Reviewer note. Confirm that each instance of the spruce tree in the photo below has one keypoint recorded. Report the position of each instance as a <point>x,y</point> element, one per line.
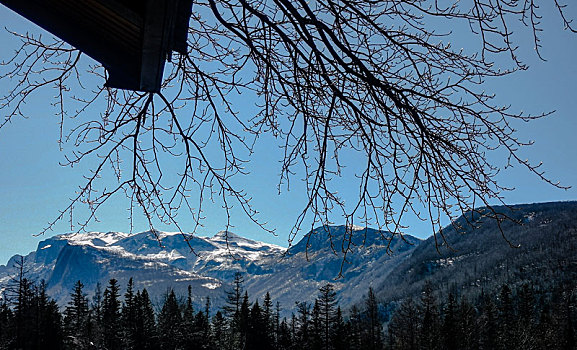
<point>256,337</point>
<point>269,322</point>
<point>488,324</point>
<point>340,337</point>
<point>111,317</point>
<point>20,294</point>
<point>450,323</point>
<point>317,329</point>
<point>404,327</point>
<point>129,317</point>
<point>285,336</point>
<point>468,335</point>
<point>188,320</point>
<point>48,328</point>
<point>76,318</point>
<point>146,332</point>
<point>232,311</point>
<point>302,325</point>
<point>96,325</point>
<point>506,321</point>
<point>24,315</point>
<point>430,322</point>
<point>7,332</point>
<point>201,331</point>
<point>327,303</point>
<point>206,330</point>
<point>355,328</point>
<point>276,323</point>
<point>53,333</point>
<point>234,297</point>
<point>169,323</point>
<point>373,329</point>
<point>219,331</point>
<point>244,320</point>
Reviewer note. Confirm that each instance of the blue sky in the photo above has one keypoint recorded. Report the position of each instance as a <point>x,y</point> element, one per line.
<point>33,186</point>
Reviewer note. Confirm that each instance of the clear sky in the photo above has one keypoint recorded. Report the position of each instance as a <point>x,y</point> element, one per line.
<point>33,186</point>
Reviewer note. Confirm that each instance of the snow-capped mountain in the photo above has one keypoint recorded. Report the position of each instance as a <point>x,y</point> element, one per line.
<point>478,259</point>
<point>157,262</point>
<point>161,260</point>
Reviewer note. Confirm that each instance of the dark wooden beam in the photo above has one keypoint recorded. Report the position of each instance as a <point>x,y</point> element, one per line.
<point>130,38</point>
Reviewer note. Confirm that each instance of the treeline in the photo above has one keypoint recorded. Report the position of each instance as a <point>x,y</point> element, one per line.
<point>111,321</point>
<point>523,317</point>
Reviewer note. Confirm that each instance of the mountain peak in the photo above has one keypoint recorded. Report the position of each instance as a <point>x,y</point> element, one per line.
<point>225,235</point>
<point>396,267</point>
<point>341,237</point>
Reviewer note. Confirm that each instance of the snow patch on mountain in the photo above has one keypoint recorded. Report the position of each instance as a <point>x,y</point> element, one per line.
<point>161,260</point>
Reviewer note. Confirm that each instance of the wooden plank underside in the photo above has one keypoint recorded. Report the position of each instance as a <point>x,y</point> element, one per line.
<point>130,45</point>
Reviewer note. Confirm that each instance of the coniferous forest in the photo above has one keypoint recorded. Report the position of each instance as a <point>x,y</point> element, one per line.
<point>523,317</point>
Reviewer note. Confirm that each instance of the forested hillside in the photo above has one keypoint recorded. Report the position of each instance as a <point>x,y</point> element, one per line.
<point>537,246</point>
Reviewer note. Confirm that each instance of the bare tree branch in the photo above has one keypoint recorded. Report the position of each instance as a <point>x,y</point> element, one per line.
<point>373,79</point>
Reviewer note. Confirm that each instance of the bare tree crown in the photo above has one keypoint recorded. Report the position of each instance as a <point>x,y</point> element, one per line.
<point>369,77</point>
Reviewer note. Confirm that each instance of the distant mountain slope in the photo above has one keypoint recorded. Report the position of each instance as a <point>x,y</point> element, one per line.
<point>210,267</point>
<point>477,259</point>
<point>480,259</point>
<point>96,257</point>
<point>300,273</point>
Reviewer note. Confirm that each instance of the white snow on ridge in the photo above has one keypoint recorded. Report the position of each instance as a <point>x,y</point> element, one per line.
<point>224,249</point>
<point>163,235</point>
<point>88,238</point>
<point>224,238</point>
<point>258,245</point>
<point>224,254</point>
<point>165,255</point>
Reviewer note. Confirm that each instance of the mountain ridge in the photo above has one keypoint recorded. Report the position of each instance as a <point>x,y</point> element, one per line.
<point>161,260</point>
<point>395,267</point>
<point>479,259</point>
